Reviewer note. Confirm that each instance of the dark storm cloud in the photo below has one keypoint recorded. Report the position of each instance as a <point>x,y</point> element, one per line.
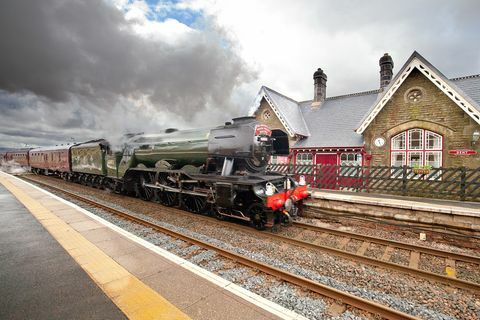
<point>86,50</point>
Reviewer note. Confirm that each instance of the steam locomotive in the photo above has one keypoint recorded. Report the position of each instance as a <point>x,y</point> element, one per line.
<point>219,171</point>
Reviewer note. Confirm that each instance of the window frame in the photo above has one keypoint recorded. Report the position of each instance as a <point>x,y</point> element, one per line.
<point>302,162</point>
<point>424,151</point>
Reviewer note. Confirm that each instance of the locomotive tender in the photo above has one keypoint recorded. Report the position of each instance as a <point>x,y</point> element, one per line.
<point>220,171</point>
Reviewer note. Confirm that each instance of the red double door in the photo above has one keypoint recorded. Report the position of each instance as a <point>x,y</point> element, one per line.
<point>327,172</point>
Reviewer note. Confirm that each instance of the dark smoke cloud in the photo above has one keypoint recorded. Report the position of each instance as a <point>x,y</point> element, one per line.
<point>79,65</point>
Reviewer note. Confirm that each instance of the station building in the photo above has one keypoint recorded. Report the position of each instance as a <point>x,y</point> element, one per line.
<point>417,118</point>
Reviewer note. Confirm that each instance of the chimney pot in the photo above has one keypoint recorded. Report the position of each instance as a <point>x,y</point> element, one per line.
<point>320,87</point>
<point>386,70</point>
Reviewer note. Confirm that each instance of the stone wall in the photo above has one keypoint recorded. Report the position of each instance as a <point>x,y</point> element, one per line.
<point>434,111</point>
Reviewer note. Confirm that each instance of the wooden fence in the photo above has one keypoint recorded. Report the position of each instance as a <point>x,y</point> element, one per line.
<point>445,183</point>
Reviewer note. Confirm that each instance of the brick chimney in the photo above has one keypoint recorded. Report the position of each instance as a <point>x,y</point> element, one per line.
<point>386,70</point>
<point>320,87</point>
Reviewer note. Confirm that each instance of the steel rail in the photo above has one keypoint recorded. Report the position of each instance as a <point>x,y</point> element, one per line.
<point>347,298</point>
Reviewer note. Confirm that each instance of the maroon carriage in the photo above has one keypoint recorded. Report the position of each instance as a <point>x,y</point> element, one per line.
<point>19,156</point>
<point>51,160</point>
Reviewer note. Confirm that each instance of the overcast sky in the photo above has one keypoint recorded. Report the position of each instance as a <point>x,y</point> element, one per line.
<point>82,69</point>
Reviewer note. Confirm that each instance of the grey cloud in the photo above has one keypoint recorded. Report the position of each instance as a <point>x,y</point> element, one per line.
<point>82,61</point>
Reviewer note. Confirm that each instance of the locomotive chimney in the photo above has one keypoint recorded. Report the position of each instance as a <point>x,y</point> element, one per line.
<point>386,70</point>
<point>320,88</point>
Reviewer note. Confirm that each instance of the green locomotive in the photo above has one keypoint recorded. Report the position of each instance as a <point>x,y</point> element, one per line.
<point>219,171</point>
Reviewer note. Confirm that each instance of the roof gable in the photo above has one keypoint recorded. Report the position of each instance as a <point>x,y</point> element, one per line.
<point>416,61</point>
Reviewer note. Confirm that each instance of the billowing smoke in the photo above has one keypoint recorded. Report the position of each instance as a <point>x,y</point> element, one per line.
<point>80,69</point>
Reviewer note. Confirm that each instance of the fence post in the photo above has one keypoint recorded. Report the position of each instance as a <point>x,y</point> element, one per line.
<point>404,180</point>
<point>463,182</point>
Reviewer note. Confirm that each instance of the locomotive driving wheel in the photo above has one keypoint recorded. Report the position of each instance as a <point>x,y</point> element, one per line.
<point>167,198</point>
<point>192,203</point>
<point>141,191</point>
<point>258,217</point>
<point>195,204</point>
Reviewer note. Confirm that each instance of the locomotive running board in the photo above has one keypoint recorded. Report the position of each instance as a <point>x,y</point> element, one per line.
<point>170,189</point>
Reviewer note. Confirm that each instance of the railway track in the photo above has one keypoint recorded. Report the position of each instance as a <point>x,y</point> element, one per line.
<point>347,298</point>
<point>451,259</point>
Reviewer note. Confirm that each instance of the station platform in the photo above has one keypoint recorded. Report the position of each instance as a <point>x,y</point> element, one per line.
<point>59,261</point>
<point>447,213</point>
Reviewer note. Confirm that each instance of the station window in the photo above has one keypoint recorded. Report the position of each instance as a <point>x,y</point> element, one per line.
<point>351,159</point>
<point>304,159</point>
<point>417,147</point>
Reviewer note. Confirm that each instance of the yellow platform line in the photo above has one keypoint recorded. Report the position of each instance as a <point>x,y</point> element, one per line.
<point>132,296</point>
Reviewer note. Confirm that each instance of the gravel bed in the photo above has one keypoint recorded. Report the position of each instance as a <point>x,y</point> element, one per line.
<point>375,251</point>
<point>468,271</point>
<point>330,241</point>
<point>400,256</point>
<point>308,236</point>
<point>412,295</point>
<point>353,245</point>
<point>432,264</point>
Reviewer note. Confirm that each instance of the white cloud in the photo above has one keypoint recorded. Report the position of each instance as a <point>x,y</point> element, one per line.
<point>288,40</point>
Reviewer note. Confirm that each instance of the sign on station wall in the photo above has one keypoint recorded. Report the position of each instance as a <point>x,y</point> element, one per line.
<point>462,152</point>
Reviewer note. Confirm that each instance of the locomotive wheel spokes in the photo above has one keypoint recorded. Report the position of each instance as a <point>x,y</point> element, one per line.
<point>195,204</point>
<point>258,216</point>
<point>167,198</point>
<point>142,192</point>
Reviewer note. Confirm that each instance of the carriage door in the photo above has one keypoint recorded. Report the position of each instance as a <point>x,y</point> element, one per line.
<point>327,174</point>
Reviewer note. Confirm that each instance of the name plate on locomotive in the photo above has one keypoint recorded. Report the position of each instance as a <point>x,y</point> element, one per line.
<point>262,129</point>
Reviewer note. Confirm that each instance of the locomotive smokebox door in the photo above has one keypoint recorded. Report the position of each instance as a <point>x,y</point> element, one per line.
<point>225,194</point>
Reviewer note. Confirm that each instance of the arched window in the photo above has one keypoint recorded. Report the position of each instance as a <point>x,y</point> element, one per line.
<point>417,147</point>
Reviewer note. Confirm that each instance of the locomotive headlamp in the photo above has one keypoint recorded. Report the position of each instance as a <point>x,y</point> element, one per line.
<point>259,191</point>
<point>270,189</point>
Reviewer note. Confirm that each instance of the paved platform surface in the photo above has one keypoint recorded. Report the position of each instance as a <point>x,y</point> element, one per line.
<point>39,279</point>
<point>414,203</point>
<point>92,269</point>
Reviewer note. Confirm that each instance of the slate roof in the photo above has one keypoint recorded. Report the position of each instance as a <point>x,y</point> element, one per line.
<point>288,109</point>
<point>470,85</point>
<point>333,124</point>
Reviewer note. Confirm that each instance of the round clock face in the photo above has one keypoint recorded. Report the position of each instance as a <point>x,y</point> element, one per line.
<point>379,142</point>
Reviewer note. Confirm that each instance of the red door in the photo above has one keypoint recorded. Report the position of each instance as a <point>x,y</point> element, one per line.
<point>327,170</point>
